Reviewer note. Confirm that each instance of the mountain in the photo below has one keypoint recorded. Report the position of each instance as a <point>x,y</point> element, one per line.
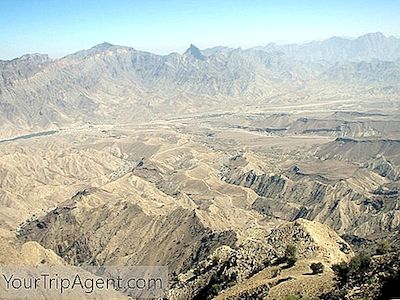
<point>116,84</point>
<point>364,48</point>
<point>249,173</point>
<point>121,84</point>
<point>367,72</point>
<point>218,49</point>
<point>194,52</point>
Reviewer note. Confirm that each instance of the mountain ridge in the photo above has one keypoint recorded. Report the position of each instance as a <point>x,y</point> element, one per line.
<point>121,84</point>
<point>106,45</point>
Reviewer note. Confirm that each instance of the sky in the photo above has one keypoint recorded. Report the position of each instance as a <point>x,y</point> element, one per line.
<point>60,27</point>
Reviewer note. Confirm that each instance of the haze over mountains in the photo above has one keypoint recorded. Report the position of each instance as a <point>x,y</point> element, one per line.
<point>364,48</point>
<point>120,84</point>
<point>212,162</point>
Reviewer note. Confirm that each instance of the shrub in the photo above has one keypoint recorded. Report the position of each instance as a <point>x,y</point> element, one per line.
<point>382,247</point>
<point>317,268</point>
<point>215,289</point>
<point>360,263</point>
<point>356,268</point>
<point>215,260</point>
<point>341,271</point>
<point>291,255</point>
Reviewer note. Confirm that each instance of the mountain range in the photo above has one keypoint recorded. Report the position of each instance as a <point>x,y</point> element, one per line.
<point>264,173</point>
<point>364,48</point>
<point>117,84</point>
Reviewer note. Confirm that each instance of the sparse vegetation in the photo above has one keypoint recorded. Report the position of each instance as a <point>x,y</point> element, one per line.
<point>317,268</point>
<point>360,263</point>
<point>215,289</point>
<point>341,271</point>
<point>356,268</point>
<point>296,297</point>
<point>218,282</point>
<point>377,280</point>
<point>382,247</point>
<point>254,168</point>
<point>215,260</point>
<point>291,255</point>
<point>231,283</point>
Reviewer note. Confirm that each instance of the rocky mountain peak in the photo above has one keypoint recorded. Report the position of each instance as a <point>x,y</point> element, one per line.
<point>195,52</point>
<point>374,36</point>
<point>30,58</point>
<point>34,56</point>
<point>103,46</point>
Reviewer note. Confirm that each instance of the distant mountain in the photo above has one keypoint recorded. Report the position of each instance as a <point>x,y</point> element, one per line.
<point>116,84</point>
<point>214,50</point>
<point>366,47</point>
<point>194,52</point>
<point>374,71</point>
<point>23,67</point>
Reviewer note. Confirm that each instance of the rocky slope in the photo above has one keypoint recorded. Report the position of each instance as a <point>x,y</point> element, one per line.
<point>120,232</point>
<point>210,162</point>
<point>221,203</point>
<point>378,281</point>
<point>349,198</point>
<point>228,267</point>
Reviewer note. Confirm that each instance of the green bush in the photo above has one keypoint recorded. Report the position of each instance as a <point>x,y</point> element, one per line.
<point>355,269</point>
<point>360,263</point>
<point>215,260</point>
<point>215,289</point>
<point>382,247</point>
<point>291,255</point>
<point>317,268</point>
<point>341,271</point>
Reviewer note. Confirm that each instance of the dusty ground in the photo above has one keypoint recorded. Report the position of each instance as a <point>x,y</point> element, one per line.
<point>235,175</point>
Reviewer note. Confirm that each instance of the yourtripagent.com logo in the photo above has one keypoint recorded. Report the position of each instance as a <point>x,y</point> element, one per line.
<point>90,282</point>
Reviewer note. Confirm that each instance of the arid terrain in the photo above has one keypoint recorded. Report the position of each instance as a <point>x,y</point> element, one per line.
<point>214,177</point>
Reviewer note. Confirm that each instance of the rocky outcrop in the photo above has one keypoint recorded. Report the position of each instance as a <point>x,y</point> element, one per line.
<point>361,150</point>
<point>357,201</point>
<point>122,233</point>
<point>226,267</point>
<point>379,281</point>
<point>14,253</point>
<point>384,168</point>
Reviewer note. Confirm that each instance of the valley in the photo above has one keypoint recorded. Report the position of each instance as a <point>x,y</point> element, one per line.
<point>250,173</point>
<point>199,185</point>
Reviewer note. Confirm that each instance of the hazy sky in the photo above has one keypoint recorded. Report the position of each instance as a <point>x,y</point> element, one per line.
<point>59,27</point>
